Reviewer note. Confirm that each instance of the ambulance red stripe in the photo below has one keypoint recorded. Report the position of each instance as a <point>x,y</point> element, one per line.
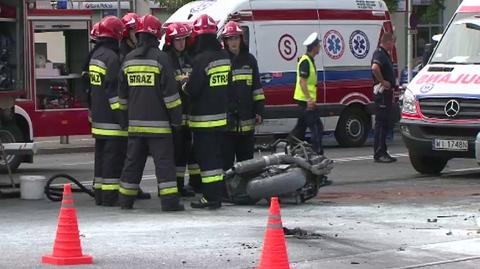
<point>466,9</point>
<point>310,14</point>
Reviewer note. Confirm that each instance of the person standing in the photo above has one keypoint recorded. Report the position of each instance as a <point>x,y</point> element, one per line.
<point>127,44</point>
<point>175,37</point>
<point>129,40</point>
<point>107,127</point>
<point>149,89</point>
<point>384,83</point>
<point>207,89</point>
<point>306,95</point>
<point>245,98</point>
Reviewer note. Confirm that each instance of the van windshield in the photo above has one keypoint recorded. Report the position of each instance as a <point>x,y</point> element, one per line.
<point>460,43</point>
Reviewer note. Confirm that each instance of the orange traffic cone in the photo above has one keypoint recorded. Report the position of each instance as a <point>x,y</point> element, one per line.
<point>67,249</point>
<point>274,254</point>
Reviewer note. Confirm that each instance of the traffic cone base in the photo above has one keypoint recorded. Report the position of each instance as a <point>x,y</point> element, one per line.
<point>67,261</point>
<point>67,249</point>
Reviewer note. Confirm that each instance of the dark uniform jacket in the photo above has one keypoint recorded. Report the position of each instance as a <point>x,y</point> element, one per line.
<point>182,66</point>
<point>124,49</point>
<point>103,71</point>
<point>382,58</point>
<point>149,90</point>
<point>245,96</point>
<point>207,89</point>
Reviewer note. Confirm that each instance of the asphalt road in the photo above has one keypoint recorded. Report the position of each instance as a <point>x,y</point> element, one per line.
<point>373,216</point>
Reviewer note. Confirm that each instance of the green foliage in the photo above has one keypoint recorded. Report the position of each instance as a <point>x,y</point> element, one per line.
<point>433,11</point>
<point>172,5</point>
<point>391,4</point>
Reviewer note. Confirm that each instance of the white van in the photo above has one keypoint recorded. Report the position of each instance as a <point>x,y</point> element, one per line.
<point>441,106</point>
<point>275,30</point>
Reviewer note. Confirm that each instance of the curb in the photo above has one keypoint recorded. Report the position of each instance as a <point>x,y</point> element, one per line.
<point>50,151</point>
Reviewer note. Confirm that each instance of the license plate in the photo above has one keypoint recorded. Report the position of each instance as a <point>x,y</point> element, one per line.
<point>450,145</point>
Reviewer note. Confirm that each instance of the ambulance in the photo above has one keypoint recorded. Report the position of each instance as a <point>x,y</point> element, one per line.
<point>275,30</point>
<point>441,106</point>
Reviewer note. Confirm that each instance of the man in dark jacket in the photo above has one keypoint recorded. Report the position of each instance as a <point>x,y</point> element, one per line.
<point>245,98</point>
<point>148,88</point>
<point>207,89</point>
<point>107,128</point>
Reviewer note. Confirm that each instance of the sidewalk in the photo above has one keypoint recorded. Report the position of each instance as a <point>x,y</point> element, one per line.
<point>77,144</point>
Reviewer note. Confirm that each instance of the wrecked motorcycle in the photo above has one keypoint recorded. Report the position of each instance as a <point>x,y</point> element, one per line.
<point>296,174</point>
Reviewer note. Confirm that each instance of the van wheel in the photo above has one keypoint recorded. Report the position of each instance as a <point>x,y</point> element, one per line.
<point>352,127</point>
<point>10,134</point>
<point>427,164</point>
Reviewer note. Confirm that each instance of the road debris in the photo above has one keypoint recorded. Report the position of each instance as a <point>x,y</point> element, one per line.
<point>301,234</point>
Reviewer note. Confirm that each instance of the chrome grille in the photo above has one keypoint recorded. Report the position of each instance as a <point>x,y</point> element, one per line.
<point>435,108</point>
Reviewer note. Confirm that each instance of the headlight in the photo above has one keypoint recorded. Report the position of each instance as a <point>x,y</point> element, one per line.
<point>409,103</point>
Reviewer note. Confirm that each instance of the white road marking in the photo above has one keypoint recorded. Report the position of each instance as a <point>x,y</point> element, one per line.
<point>366,157</point>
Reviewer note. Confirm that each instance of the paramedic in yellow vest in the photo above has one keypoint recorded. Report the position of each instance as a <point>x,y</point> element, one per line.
<point>306,95</point>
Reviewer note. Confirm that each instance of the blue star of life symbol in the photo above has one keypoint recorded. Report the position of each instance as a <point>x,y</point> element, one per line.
<point>334,44</point>
<point>359,44</point>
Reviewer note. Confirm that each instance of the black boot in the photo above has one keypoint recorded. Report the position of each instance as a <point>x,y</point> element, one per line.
<point>195,182</point>
<point>204,203</point>
<point>171,202</point>
<point>143,195</point>
<point>110,198</point>
<point>98,196</point>
<point>184,192</point>
<point>126,202</point>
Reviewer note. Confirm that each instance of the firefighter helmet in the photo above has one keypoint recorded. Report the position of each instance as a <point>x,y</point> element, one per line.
<point>176,31</point>
<point>111,26</point>
<point>130,20</point>
<point>205,25</point>
<point>232,29</point>
<point>151,25</point>
<point>94,31</point>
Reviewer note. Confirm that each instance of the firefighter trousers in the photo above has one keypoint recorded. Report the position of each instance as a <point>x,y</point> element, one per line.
<point>237,147</point>
<point>161,150</point>
<point>184,159</point>
<point>207,147</point>
<point>109,159</point>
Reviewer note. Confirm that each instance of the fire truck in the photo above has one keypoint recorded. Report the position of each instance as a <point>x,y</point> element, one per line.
<point>42,93</point>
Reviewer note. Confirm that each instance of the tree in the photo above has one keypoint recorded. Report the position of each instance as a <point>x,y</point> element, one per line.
<point>172,5</point>
<point>392,4</point>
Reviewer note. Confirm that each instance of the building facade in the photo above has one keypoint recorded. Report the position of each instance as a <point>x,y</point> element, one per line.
<point>430,20</point>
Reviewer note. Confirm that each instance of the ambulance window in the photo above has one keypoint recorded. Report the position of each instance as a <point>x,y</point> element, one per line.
<point>246,34</point>
<point>60,52</point>
<point>459,44</point>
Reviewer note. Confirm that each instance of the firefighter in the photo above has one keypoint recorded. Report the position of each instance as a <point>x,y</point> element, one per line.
<point>207,89</point>
<point>306,95</point>
<point>245,100</point>
<point>128,43</point>
<point>129,40</point>
<point>107,125</point>
<point>175,42</point>
<point>149,89</point>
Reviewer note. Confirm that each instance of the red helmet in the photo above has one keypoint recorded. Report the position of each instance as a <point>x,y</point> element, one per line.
<point>191,40</point>
<point>150,24</point>
<point>94,31</point>
<point>232,29</point>
<point>130,20</point>
<point>205,25</point>
<point>176,30</point>
<point>111,26</point>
